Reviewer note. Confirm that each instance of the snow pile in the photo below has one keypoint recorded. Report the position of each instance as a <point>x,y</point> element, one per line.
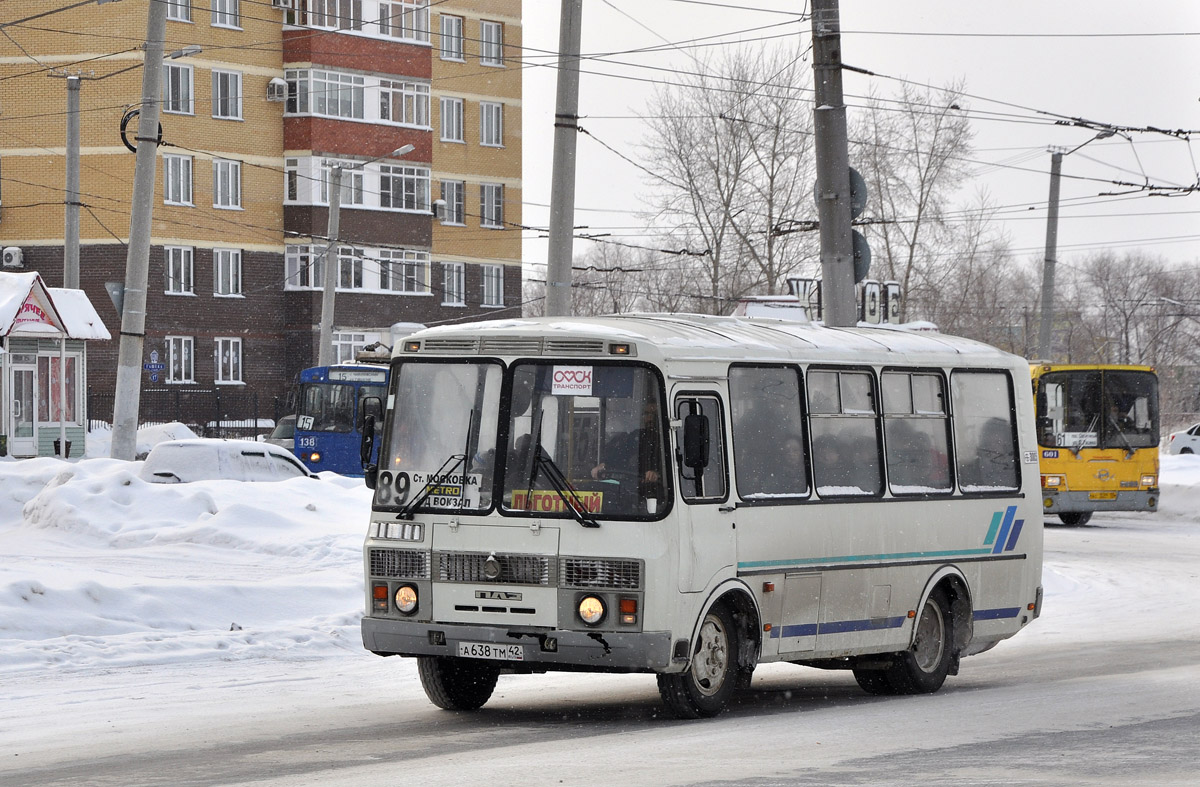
<point>99,566</point>
<point>99,439</point>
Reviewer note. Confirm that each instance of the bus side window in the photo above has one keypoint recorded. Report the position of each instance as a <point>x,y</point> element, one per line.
<point>708,483</point>
<point>845,433</point>
<point>768,436</point>
<point>984,431</point>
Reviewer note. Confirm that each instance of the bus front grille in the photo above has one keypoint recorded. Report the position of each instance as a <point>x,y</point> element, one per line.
<point>579,572</point>
<point>514,569</point>
<point>399,563</point>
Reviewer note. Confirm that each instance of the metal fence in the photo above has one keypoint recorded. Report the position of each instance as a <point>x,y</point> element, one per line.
<point>209,412</point>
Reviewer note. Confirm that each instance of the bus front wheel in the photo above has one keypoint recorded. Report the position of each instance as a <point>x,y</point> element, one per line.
<point>457,684</point>
<point>705,687</point>
<point>1075,518</point>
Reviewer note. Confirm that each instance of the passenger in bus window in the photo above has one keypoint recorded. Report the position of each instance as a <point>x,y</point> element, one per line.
<point>994,462</point>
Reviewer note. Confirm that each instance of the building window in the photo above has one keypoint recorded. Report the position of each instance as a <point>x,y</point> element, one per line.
<point>346,344</point>
<point>327,93</point>
<point>303,268</point>
<point>227,94</point>
<point>404,188</point>
<point>493,285</point>
<point>453,192</point>
<point>227,361</point>
<point>179,10</point>
<point>52,408</point>
<point>452,38</point>
<point>227,183</point>
<point>352,183</point>
<point>177,179</point>
<point>350,269</point>
<point>177,89</point>
<point>491,205</point>
<point>404,270</point>
<point>227,272</point>
<point>291,180</point>
<point>454,289</point>
<point>404,102</point>
<point>181,365</point>
<point>179,270</point>
<point>225,13</point>
<point>491,124</point>
<point>452,120</point>
<point>330,14</point>
<point>491,43</point>
<point>406,20</point>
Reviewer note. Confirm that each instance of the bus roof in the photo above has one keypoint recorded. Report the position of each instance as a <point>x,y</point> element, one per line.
<point>1038,368</point>
<point>669,338</point>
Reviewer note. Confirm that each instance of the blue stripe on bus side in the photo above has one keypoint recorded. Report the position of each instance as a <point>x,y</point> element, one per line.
<point>1009,513</point>
<point>1016,533</point>
<point>836,627</point>
<point>997,614</point>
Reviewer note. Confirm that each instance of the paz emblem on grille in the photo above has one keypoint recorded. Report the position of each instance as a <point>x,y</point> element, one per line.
<point>491,567</point>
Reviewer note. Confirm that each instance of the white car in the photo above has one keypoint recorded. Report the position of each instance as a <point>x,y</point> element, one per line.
<point>204,459</point>
<point>1186,441</point>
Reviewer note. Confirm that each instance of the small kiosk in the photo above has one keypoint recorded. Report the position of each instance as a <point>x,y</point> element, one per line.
<point>43,365</point>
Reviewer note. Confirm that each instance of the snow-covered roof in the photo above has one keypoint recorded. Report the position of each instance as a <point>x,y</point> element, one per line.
<point>29,308</point>
<point>687,337</point>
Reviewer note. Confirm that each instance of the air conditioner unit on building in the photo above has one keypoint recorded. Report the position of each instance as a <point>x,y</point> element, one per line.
<point>286,4</point>
<point>277,90</point>
<point>13,256</point>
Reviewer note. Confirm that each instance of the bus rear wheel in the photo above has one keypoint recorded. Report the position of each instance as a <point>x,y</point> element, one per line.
<point>706,686</point>
<point>922,669</point>
<point>1075,518</point>
<point>457,684</point>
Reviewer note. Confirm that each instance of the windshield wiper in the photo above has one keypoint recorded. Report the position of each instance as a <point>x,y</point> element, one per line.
<point>563,487</point>
<point>430,485</point>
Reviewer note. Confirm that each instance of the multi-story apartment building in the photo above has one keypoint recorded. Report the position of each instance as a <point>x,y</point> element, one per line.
<point>260,101</point>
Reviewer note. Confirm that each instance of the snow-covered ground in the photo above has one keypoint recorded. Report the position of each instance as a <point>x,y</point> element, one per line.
<point>123,601</point>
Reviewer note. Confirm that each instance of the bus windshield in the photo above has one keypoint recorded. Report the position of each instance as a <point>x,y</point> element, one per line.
<point>330,406</point>
<point>589,436</point>
<point>1098,409</point>
<point>440,453</point>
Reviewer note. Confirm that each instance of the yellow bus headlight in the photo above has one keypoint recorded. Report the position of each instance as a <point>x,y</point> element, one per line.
<point>1149,480</point>
<point>1051,481</point>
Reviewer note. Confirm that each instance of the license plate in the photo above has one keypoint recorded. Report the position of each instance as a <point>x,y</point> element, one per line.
<point>1103,496</point>
<point>490,650</point>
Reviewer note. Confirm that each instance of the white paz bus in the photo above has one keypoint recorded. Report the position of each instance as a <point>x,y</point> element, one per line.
<point>691,496</point>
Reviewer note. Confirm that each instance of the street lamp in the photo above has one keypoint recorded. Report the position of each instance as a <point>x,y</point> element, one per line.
<point>329,258</point>
<point>1049,262</point>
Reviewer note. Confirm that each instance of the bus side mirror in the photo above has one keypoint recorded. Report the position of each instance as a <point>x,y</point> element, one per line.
<point>366,445</point>
<point>695,441</point>
<point>371,475</point>
<point>371,406</point>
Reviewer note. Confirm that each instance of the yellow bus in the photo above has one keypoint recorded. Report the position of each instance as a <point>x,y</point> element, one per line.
<point>1097,431</point>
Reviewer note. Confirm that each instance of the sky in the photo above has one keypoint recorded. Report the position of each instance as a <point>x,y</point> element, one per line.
<point>1024,65</point>
<point>137,615</point>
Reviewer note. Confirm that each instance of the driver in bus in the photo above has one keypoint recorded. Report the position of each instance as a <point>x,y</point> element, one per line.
<point>642,444</point>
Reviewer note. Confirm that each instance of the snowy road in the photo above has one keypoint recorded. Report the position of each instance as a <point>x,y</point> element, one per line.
<point>1103,689</point>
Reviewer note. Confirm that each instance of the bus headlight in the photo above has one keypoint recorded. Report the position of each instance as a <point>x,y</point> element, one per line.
<point>406,599</point>
<point>314,457</point>
<point>1051,480</point>
<point>1149,480</point>
<point>591,610</point>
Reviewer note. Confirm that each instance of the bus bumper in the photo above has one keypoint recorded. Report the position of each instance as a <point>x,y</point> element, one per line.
<point>648,651</point>
<point>1127,500</point>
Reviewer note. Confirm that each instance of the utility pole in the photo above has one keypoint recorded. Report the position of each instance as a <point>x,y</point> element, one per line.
<point>833,167</point>
<point>330,261</point>
<point>1044,330</point>
<point>71,238</point>
<point>137,260</point>
<point>562,177</point>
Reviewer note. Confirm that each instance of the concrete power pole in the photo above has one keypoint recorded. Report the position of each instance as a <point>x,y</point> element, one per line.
<point>562,178</point>
<point>71,222</point>
<point>137,261</point>
<point>1047,324</point>
<point>325,348</point>
<point>833,168</point>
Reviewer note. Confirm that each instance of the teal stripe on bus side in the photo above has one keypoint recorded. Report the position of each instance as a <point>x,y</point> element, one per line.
<point>991,536</point>
<point>860,558</point>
